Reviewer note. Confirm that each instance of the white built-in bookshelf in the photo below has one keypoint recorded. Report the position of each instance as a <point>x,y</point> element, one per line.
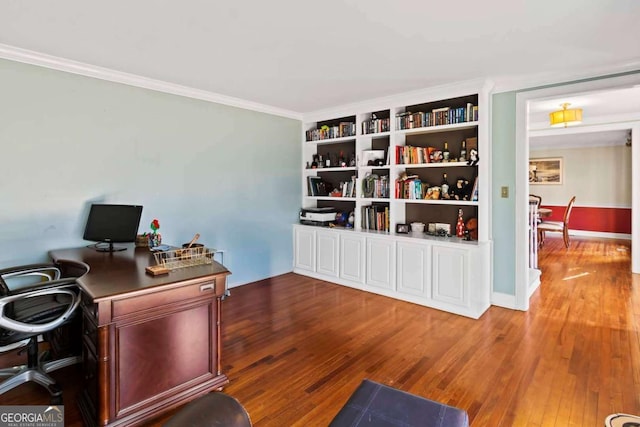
<point>386,167</point>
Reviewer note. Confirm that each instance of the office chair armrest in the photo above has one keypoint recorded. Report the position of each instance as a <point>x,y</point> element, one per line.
<point>32,270</point>
<point>63,287</point>
<point>71,268</point>
<point>52,284</point>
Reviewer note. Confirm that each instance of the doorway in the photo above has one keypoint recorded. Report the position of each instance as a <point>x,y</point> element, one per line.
<point>524,129</point>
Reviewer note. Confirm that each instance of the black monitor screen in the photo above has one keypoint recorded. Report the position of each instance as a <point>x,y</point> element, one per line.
<point>113,223</point>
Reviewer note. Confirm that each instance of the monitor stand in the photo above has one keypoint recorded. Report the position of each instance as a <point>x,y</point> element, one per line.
<point>111,248</point>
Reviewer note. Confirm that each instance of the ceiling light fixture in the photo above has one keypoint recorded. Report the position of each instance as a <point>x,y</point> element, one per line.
<point>566,116</point>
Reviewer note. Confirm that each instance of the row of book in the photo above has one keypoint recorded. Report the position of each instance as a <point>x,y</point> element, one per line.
<point>344,129</point>
<point>411,188</point>
<point>376,125</point>
<point>408,155</point>
<point>375,218</point>
<point>349,187</point>
<point>374,186</point>
<point>437,117</point>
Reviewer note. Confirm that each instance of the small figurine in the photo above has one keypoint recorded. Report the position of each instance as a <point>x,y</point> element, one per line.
<point>473,157</point>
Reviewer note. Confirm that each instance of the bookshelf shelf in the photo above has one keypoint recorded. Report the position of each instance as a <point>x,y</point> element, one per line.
<point>439,202</point>
<point>435,165</point>
<point>439,128</point>
<point>330,141</point>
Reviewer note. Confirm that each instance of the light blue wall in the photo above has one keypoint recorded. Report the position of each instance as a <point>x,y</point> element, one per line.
<point>503,129</point>
<point>230,174</point>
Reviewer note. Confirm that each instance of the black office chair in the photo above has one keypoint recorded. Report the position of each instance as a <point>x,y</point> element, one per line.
<point>41,302</point>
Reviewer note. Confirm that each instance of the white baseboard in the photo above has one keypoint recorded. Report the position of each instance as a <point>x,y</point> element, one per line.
<point>600,234</point>
<point>504,300</point>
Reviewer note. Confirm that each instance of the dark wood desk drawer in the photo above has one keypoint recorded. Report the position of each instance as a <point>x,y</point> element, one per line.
<point>211,288</point>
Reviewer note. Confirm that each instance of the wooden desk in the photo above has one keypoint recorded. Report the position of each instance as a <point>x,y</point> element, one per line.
<point>149,343</point>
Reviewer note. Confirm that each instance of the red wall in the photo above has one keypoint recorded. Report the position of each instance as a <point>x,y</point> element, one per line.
<point>608,220</point>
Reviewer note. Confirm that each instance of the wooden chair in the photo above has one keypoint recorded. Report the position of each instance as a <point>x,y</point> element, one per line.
<point>536,198</point>
<point>557,226</point>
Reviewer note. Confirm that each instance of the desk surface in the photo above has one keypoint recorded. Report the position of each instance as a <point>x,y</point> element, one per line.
<point>115,273</point>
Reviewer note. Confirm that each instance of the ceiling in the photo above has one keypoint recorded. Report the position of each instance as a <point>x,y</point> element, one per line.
<point>306,56</point>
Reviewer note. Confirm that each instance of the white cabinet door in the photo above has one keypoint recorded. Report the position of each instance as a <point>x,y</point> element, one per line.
<point>381,263</point>
<point>352,257</point>
<point>450,275</point>
<point>304,248</point>
<point>327,249</point>
<point>414,267</point>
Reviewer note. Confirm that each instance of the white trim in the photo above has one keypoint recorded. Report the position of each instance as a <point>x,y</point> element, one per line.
<point>522,181</point>
<point>508,84</point>
<point>504,300</point>
<point>635,199</point>
<point>61,64</point>
<point>600,234</point>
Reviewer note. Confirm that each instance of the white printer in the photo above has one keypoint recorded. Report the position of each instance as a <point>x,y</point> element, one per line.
<point>318,216</point>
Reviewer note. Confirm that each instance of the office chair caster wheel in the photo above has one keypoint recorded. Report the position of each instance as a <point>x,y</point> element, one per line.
<point>56,394</point>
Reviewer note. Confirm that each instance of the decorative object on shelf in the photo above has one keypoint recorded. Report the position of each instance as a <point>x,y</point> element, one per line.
<point>472,228</point>
<point>402,228</point>
<point>335,193</point>
<point>445,152</point>
<point>566,116</point>
<point>155,238</point>
<point>473,157</point>
<point>444,188</point>
<point>417,227</point>
<point>545,171</point>
<point>460,229</point>
<point>462,190</point>
<point>463,151</point>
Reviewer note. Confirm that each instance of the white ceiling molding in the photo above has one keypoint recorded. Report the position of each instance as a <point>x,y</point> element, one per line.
<point>420,96</point>
<point>508,84</point>
<point>61,64</point>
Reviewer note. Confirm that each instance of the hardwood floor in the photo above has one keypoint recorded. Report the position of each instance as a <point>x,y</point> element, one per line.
<point>295,348</point>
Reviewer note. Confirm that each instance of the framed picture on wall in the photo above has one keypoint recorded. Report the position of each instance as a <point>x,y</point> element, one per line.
<point>545,171</point>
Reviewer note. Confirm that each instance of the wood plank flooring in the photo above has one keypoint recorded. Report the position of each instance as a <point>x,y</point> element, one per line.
<point>295,348</point>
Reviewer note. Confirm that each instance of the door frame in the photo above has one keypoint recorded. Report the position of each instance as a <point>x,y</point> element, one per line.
<point>522,291</point>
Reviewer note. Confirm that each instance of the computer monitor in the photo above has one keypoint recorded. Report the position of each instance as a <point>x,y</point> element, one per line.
<point>112,224</point>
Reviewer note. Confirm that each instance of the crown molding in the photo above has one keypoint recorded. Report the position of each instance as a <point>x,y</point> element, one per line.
<point>13,53</point>
<point>532,81</point>
<point>432,93</point>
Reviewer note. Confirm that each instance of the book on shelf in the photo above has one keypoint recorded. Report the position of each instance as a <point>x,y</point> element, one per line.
<point>375,218</point>
<point>376,125</point>
<point>343,129</point>
<point>436,117</point>
<point>474,193</point>
<point>316,187</point>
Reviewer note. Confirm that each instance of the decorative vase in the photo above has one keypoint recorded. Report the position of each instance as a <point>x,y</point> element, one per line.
<point>155,239</point>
